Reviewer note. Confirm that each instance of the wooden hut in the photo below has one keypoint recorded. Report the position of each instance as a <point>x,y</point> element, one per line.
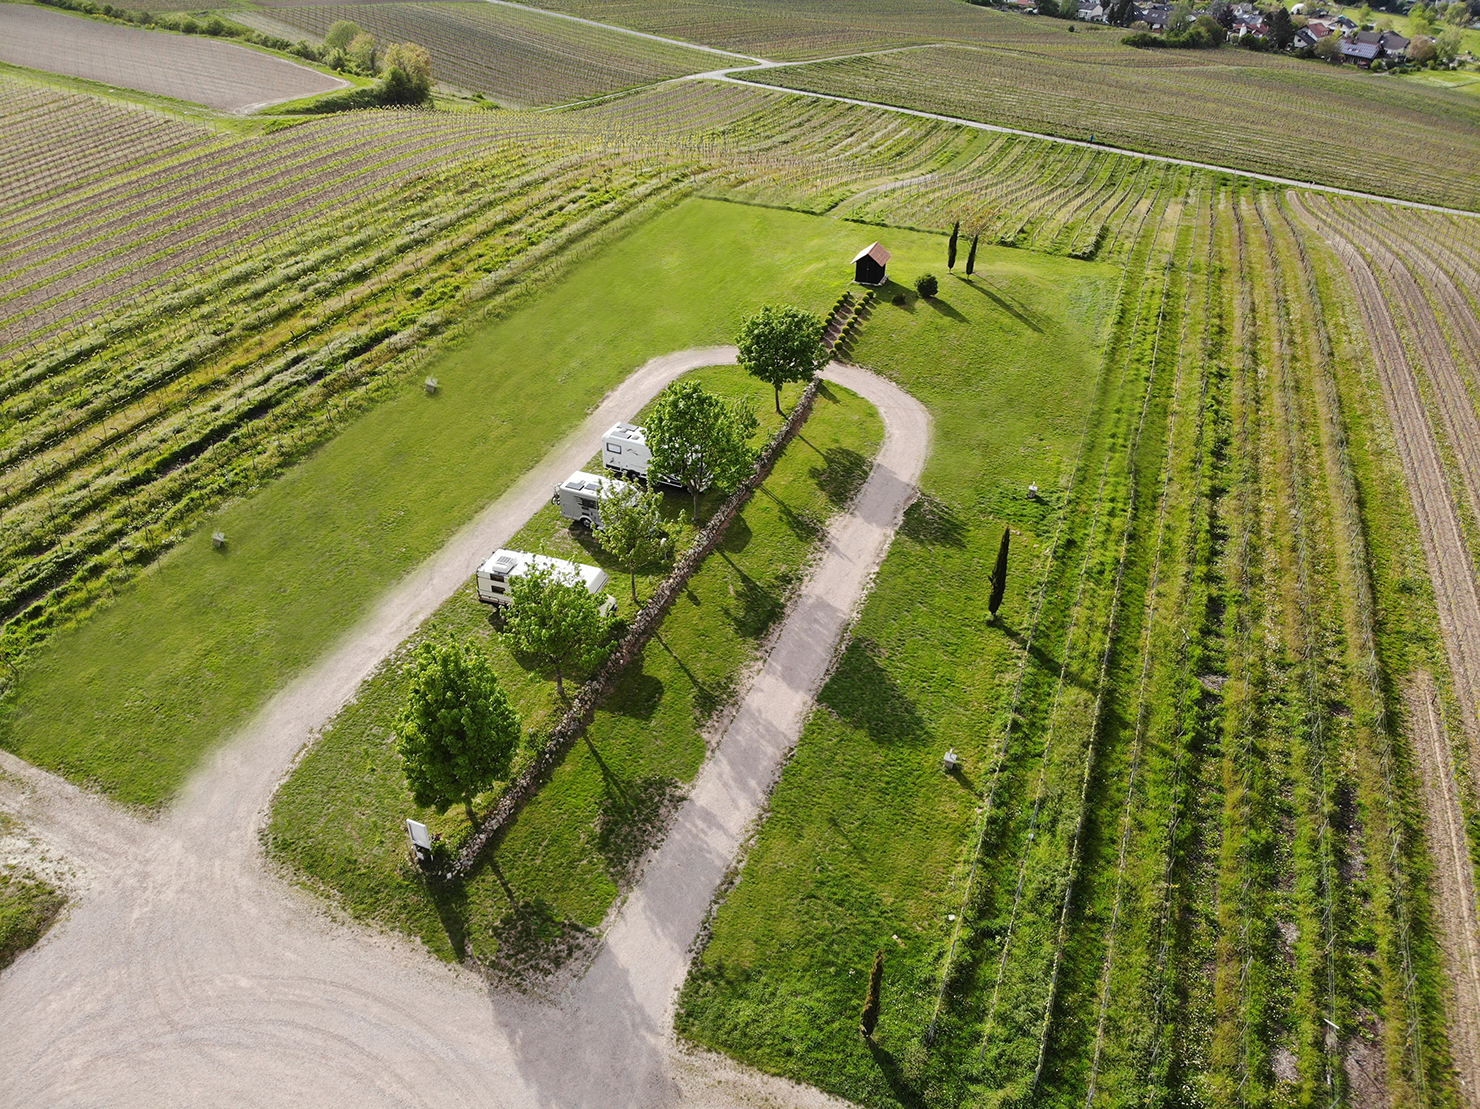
<point>868,266</point>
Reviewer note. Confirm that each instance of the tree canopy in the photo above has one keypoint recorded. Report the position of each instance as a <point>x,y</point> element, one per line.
<point>457,732</point>
<point>700,440</point>
<point>556,622</point>
<point>340,35</point>
<point>632,529</point>
<point>406,74</point>
<point>780,344</point>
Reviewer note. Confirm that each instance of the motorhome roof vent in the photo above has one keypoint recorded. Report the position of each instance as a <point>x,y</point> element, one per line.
<point>503,565</point>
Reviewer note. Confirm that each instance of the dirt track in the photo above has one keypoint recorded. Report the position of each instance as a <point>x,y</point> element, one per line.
<point>189,975</point>
<point>185,67</point>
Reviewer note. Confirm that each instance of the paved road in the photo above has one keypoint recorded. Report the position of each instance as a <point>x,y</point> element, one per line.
<point>188,974</point>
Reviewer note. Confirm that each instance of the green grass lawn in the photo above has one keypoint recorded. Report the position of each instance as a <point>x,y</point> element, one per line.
<point>130,701</point>
<point>863,844</point>
<point>338,818</point>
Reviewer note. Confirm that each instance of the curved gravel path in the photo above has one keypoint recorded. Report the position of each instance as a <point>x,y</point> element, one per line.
<point>188,974</point>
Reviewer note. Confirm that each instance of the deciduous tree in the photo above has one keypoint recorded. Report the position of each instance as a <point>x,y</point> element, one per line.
<point>457,732</point>
<point>632,529</point>
<point>406,75</point>
<point>781,344</point>
<point>340,35</point>
<point>557,622</point>
<point>362,50</point>
<point>700,440</point>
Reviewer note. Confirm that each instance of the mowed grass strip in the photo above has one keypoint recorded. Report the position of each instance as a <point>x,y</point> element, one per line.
<point>338,819</point>
<point>129,701</point>
<point>863,846</point>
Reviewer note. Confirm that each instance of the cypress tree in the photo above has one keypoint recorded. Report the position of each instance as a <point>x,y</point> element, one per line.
<point>869,1019</point>
<point>971,255</point>
<point>999,575</point>
<point>951,248</point>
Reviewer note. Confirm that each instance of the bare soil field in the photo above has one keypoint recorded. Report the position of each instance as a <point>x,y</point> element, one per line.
<point>184,67</point>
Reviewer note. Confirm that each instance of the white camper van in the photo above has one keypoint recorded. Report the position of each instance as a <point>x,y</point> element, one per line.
<point>494,575</point>
<point>624,451</point>
<point>579,497</point>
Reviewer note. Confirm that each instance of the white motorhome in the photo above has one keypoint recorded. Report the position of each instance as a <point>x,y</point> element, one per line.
<point>494,576</point>
<point>624,450</point>
<point>579,497</point>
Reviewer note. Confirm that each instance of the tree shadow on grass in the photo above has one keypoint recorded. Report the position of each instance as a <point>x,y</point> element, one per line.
<point>894,1074</point>
<point>737,536</point>
<point>1015,308</point>
<point>931,522</point>
<point>802,525</point>
<point>637,695</point>
<point>632,820</point>
<point>841,475</point>
<point>863,695</point>
<point>946,309</point>
<point>709,698</point>
<point>534,943</point>
<point>1048,662</point>
<point>450,900</point>
<point>758,605</point>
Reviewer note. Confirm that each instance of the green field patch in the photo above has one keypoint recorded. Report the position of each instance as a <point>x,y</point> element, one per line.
<point>129,701</point>
<point>863,845</point>
<point>553,875</point>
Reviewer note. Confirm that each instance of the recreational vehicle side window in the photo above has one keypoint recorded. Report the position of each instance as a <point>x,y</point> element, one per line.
<point>614,448</point>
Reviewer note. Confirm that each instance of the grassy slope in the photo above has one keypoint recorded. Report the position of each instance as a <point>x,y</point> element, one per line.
<point>861,848</point>
<point>338,817</point>
<point>129,701</point>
